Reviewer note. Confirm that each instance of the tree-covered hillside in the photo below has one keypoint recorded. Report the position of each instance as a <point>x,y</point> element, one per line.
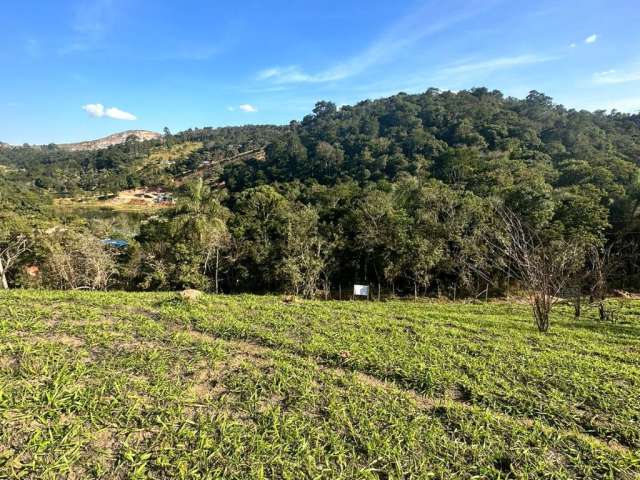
<point>63,172</point>
<point>400,192</point>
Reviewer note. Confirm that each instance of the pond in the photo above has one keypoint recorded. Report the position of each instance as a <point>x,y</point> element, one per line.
<point>106,222</point>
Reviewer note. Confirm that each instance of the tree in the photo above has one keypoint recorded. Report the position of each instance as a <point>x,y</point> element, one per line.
<point>14,243</point>
<point>11,249</point>
<point>76,260</point>
<point>303,252</point>
<point>259,229</point>
<point>198,224</point>
<point>601,262</point>
<point>169,139</point>
<point>380,228</point>
<point>543,268</point>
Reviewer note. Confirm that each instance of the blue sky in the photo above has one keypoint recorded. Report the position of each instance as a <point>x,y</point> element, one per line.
<point>74,70</point>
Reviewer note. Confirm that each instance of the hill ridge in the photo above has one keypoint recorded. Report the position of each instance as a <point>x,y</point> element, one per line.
<point>110,140</point>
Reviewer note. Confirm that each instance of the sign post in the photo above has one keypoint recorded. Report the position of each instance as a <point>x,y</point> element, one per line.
<point>361,291</point>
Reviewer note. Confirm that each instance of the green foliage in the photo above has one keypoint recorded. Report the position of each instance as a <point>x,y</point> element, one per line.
<point>115,385</point>
<point>177,248</point>
<point>403,189</point>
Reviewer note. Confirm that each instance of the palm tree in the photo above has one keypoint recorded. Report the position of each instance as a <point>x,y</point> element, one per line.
<point>200,218</point>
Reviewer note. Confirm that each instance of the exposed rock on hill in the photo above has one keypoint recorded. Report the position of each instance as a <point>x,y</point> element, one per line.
<point>115,139</point>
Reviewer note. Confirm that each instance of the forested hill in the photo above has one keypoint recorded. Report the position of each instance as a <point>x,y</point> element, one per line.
<point>543,160</point>
<point>399,190</point>
<point>138,161</point>
<point>478,140</point>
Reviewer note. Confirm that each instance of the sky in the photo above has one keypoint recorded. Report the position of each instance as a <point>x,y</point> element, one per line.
<point>74,70</point>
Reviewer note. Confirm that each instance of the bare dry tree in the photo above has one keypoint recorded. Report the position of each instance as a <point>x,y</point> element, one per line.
<point>10,252</point>
<point>77,261</point>
<point>543,268</point>
<point>602,263</point>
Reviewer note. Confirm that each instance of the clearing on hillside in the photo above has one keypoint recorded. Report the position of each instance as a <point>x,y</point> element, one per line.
<point>129,385</point>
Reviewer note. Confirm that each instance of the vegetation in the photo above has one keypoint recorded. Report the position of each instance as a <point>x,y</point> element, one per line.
<point>401,193</point>
<point>124,385</point>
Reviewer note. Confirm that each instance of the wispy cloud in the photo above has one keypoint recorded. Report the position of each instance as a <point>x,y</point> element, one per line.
<point>495,64</point>
<point>90,23</point>
<point>418,25</point>
<point>294,74</point>
<point>248,108</point>
<point>97,110</point>
<point>94,17</point>
<point>612,77</point>
<point>591,39</point>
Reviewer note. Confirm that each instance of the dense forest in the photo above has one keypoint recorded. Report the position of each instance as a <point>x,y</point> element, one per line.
<point>401,193</point>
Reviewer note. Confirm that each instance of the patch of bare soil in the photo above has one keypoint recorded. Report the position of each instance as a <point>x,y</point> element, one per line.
<point>58,338</point>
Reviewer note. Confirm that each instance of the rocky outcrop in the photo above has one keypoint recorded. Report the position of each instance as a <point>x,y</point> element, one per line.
<point>115,139</point>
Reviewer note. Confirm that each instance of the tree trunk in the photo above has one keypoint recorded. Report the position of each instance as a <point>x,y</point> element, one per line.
<point>3,277</point>
<point>415,290</point>
<point>602,311</point>
<point>217,267</point>
<point>577,306</point>
<point>541,310</point>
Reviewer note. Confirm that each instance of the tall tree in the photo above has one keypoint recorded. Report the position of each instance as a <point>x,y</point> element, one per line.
<point>199,223</point>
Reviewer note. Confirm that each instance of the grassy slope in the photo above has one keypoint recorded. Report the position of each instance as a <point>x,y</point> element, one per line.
<point>139,385</point>
<point>178,151</point>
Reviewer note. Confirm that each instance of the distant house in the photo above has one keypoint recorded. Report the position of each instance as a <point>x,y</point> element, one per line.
<point>164,198</point>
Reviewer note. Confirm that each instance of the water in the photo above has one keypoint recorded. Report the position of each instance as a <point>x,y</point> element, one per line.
<point>106,222</point>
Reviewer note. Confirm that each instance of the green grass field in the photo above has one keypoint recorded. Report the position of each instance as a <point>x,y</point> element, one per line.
<point>115,385</point>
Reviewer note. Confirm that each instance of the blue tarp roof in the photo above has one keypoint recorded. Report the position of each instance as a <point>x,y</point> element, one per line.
<point>115,243</point>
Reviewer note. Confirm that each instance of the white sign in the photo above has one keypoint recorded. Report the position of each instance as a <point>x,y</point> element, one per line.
<point>361,290</point>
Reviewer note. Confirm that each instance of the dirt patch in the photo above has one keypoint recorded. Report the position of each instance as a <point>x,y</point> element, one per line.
<point>202,381</point>
<point>52,322</point>
<point>104,440</point>
<point>239,348</point>
<point>68,340</point>
<point>7,362</point>
<point>249,349</point>
<point>274,400</point>
<point>60,339</point>
<point>135,345</point>
<point>458,393</point>
<point>104,321</point>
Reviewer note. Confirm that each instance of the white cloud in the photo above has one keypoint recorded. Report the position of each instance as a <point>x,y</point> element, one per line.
<point>495,64</point>
<point>591,38</point>
<point>412,28</point>
<point>97,110</point>
<point>612,77</point>
<point>247,108</point>
<point>293,74</point>
<point>573,45</point>
<point>118,114</point>
<point>230,109</point>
